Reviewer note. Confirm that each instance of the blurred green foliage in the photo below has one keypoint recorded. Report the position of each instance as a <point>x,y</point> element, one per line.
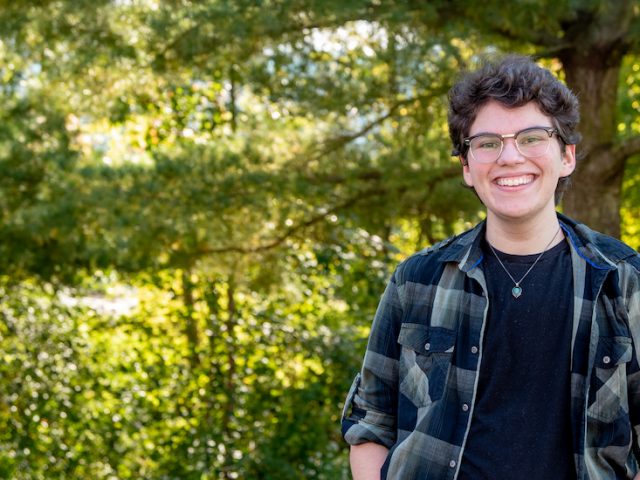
<point>201,203</point>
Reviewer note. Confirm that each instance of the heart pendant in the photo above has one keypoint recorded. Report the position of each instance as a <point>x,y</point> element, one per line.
<point>516,291</point>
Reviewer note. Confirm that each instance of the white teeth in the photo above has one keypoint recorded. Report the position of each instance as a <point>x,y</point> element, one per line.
<point>514,181</point>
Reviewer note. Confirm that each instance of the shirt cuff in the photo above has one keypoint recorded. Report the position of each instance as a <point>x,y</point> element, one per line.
<point>361,426</point>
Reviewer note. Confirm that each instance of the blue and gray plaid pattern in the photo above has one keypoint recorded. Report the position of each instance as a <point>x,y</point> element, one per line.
<point>416,390</point>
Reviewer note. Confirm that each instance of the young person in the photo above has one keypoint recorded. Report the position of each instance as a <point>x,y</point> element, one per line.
<point>509,351</point>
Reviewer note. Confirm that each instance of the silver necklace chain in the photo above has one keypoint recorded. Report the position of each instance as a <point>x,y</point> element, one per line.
<point>516,291</point>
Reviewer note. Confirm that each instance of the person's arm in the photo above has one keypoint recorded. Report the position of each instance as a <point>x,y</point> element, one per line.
<point>370,412</point>
<point>366,461</point>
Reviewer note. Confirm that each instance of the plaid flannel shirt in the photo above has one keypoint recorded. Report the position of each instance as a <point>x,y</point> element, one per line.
<point>416,390</point>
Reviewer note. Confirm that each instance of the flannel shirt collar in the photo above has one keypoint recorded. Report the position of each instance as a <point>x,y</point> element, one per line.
<point>598,250</point>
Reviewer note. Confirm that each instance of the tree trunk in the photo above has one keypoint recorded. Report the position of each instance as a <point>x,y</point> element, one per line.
<point>597,41</point>
<point>230,380</point>
<point>595,194</point>
<point>191,326</point>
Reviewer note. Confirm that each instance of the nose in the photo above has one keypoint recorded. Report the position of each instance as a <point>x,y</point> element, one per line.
<point>510,153</point>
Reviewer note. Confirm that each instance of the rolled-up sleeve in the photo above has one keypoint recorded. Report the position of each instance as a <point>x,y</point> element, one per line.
<point>370,410</point>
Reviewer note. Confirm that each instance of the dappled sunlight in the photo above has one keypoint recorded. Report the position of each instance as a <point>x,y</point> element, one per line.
<point>201,205</point>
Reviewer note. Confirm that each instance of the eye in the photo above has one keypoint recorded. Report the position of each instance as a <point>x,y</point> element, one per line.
<point>486,143</point>
<point>531,138</point>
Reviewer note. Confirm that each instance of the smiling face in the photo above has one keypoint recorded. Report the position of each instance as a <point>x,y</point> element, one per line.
<point>516,188</point>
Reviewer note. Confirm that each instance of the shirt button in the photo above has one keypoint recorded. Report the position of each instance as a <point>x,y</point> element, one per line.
<point>427,346</point>
<point>452,463</point>
<point>474,349</point>
<point>465,407</point>
<point>606,359</point>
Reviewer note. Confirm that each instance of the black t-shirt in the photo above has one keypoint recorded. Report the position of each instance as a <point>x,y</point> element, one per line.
<point>521,424</point>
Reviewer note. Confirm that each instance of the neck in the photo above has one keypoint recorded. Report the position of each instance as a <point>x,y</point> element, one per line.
<point>523,238</point>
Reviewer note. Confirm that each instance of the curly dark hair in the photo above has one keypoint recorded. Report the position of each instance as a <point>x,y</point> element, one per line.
<point>513,80</point>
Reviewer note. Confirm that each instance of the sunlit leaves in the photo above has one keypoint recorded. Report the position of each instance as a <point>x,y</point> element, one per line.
<point>201,203</point>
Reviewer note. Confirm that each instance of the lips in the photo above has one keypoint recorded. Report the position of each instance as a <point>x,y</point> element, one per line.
<point>514,181</point>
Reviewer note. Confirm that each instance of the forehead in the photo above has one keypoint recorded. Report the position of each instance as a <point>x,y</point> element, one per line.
<point>495,117</point>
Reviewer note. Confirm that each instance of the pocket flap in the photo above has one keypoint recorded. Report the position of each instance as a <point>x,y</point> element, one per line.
<point>612,351</point>
<point>425,339</point>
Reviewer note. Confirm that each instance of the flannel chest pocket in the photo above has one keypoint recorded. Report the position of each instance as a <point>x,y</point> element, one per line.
<point>424,362</point>
<point>608,394</point>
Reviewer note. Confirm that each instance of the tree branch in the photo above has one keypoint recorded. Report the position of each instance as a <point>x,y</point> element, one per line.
<point>541,39</point>
<point>291,230</point>
<point>291,25</point>
<point>626,149</point>
<point>335,143</point>
<point>442,174</point>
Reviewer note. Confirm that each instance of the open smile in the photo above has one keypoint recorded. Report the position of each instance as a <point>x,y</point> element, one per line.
<point>514,181</point>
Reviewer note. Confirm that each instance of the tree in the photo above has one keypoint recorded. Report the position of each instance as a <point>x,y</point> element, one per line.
<point>590,39</point>
<point>252,171</point>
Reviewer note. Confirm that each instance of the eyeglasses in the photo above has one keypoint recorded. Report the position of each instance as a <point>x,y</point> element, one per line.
<point>531,142</point>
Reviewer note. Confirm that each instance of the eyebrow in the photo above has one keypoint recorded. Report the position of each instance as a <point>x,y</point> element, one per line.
<point>512,133</point>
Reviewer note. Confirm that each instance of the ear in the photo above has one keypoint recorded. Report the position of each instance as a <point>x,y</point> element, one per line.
<point>466,174</point>
<point>568,161</point>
